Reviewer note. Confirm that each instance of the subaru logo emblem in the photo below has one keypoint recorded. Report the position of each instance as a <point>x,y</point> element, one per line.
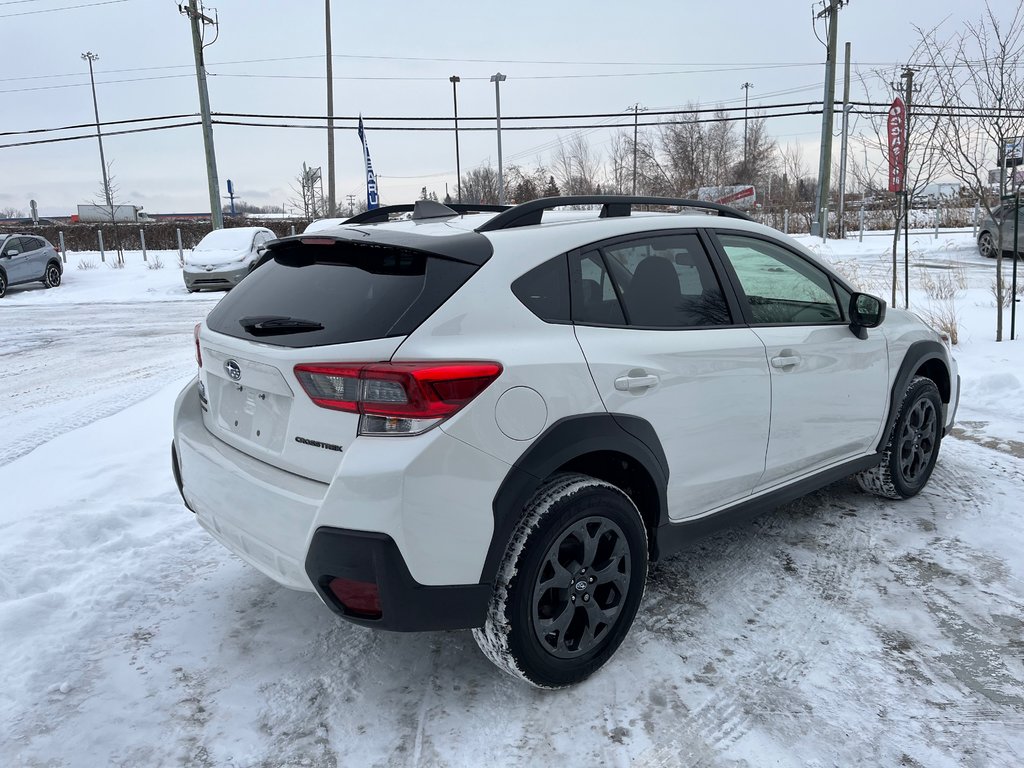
<point>233,371</point>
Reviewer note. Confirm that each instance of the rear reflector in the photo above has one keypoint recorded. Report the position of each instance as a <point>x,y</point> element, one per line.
<point>397,398</point>
<point>360,598</point>
<point>195,335</point>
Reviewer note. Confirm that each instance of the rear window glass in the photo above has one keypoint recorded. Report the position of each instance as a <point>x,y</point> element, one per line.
<point>354,293</point>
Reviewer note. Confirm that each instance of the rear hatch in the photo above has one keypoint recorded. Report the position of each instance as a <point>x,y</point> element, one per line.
<point>317,302</point>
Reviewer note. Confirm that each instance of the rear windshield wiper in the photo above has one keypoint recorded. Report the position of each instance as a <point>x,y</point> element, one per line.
<point>275,325</point>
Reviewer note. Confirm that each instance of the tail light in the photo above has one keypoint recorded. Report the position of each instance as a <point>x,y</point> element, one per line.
<point>360,598</point>
<point>397,398</point>
<point>195,335</point>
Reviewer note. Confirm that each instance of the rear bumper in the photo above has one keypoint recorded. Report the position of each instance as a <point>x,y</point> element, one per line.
<point>406,605</point>
<point>411,516</point>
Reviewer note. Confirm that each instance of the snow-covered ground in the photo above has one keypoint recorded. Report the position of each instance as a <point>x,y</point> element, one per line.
<point>839,630</point>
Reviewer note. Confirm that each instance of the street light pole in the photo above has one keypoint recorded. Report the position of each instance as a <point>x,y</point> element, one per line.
<point>497,79</point>
<point>330,114</point>
<point>746,100</point>
<point>455,79</point>
<point>90,57</point>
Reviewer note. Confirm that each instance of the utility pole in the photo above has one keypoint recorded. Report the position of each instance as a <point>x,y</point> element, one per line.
<point>498,79</point>
<point>198,21</point>
<point>830,13</point>
<point>637,109</point>
<point>455,80</point>
<point>90,57</point>
<point>330,112</point>
<point>746,100</point>
<point>351,204</point>
<point>846,137</point>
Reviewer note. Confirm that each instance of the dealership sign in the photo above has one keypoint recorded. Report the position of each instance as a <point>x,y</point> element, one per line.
<point>896,127</point>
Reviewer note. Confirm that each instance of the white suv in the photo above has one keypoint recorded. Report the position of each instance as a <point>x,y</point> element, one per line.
<point>497,420</point>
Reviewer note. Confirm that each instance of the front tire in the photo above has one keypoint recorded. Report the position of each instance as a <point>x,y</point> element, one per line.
<point>569,585</point>
<point>913,446</point>
<point>51,278</point>
<point>987,245</point>
<point>3,285</point>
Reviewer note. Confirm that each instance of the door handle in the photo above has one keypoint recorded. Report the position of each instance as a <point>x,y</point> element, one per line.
<point>785,361</point>
<point>635,383</point>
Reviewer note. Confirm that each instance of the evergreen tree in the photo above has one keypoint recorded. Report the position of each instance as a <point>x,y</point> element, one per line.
<point>552,190</point>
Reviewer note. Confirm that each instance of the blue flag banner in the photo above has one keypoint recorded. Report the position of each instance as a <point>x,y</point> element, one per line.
<point>372,200</point>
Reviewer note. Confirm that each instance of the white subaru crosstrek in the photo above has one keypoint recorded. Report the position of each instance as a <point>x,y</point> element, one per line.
<point>497,420</point>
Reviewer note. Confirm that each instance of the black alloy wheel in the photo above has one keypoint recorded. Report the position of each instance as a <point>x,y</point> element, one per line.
<point>51,279</point>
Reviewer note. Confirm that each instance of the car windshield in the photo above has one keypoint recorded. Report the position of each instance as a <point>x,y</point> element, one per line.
<point>226,240</point>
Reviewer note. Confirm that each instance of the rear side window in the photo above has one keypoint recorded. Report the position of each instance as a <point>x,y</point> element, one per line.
<point>318,295</point>
<point>544,290</point>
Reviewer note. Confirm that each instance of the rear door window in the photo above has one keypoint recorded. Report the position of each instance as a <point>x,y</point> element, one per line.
<point>318,295</point>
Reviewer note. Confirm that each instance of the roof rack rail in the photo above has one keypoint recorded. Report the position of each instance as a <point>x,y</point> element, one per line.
<point>528,214</point>
<point>421,211</point>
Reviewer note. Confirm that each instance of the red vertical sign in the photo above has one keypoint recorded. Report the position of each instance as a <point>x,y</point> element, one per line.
<point>896,127</point>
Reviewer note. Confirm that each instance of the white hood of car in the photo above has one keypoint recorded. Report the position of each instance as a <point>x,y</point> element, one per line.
<point>214,257</point>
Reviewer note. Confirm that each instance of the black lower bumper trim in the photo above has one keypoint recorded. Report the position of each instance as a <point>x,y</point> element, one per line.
<point>176,470</point>
<point>406,605</point>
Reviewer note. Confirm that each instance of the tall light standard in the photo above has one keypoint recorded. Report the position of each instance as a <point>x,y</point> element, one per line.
<point>455,79</point>
<point>90,57</point>
<point>497,79</point>
<point>330,113</point>
<point>746,100</point>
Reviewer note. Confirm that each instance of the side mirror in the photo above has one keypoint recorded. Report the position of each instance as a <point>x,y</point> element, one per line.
<point>261,249</point>
<point>11,253</point>
<point>866,311</point>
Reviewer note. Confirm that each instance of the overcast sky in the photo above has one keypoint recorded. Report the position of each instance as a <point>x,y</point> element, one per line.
<point>391,60</point>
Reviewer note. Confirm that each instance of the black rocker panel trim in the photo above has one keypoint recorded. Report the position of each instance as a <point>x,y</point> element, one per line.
<point>560,443</point>
<point>406,605</point>
<point>919,353</point>
<point>674,536</point>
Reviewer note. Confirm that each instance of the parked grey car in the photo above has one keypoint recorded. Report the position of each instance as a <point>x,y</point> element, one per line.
<point>988,235</point>
<point>224,257</point>
<point>28,259</point>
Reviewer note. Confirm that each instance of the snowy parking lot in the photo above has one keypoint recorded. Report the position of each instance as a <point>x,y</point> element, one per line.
<point>840,630</point>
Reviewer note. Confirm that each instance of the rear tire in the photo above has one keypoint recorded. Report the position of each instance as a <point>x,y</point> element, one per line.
<point>569,585</point>
<point>51,278</point>
<point>986,245</point>
<point>3,285</point>
<point>913,446</point>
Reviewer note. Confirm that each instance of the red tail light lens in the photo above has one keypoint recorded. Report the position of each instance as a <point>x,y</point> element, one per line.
<point>195,335</point>
<point>361,598</point>
<point>397,398</point>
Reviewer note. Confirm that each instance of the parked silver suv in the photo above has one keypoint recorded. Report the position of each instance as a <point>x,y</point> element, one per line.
<point>1001,220</point>
<point>28,259</point>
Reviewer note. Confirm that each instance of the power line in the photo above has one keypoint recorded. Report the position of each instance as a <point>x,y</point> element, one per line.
<point>93,135</point>
<point>63,8</point>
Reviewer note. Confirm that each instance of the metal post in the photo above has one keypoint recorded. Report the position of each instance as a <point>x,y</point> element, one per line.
<point>331,211</point>
<point>746,101</point>
<point>455,80</point>
<point>181,252</point>
<point>1016,258</point>
<point>196,18</point>
<point>142,241</point>
<point>99,235</point>
<point>63,250</point>
<point>293,230</point>
<point>785,221</point>
<point>831,14</point>
<point>906,248</point>
<point>862,222</point>
<point>90,57</point>
<point>498,79</point>
<point>937,207</point>
<point>843,145</point>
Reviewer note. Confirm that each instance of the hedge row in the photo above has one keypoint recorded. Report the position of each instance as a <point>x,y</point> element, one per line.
<point>159,236</point>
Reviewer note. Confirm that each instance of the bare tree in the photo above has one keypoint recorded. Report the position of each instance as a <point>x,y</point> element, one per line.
<point>480,186</point>
<point>577,166</point>
<point>309,194</point>
<point>11,213</point>
<point>108,201</point>
<point>978,69</point>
